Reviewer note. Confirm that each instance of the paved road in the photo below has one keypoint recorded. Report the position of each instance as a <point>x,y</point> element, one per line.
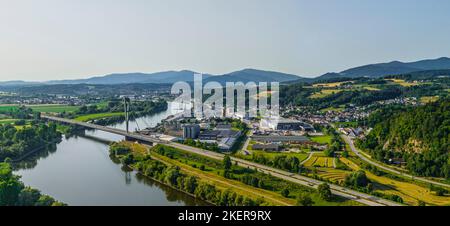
<point>372,162</point>
<point>306,181</point>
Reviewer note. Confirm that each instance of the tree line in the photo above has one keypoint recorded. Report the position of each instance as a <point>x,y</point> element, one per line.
<point>14,193</point>
<point>14,143</point>
<point>173,176</point>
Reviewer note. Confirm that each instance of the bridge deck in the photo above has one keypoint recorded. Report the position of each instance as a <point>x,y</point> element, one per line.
<point>306,181</point>
<point>106,129</point>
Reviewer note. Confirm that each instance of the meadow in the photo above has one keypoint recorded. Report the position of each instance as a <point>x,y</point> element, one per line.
<point>402,82</point>
<point>325,139</point>
<point>53,108</point>
<point>324,93</point>
<point>272,155</point>
<point>7,121</point>
<point>426,100</point>
<point>4,108</point>
<point>328,85</point>
<point>45,108</point>
<point>89,117</point>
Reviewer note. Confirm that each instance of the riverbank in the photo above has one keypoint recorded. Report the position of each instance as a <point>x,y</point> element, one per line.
<point>82,163</point>
<point>209,187</point>
<point>109,118</point>
<point>36,150</point>
<point>266,189</point>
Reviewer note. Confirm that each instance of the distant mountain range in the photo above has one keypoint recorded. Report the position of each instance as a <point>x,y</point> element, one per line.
<point>169,77</point>
<point>246,75</point>
<point>392,68</point>
<point>113,79</point>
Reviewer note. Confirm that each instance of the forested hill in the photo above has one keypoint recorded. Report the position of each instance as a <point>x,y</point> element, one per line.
<point>421,136</point>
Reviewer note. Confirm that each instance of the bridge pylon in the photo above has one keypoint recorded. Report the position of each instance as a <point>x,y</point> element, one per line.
<point>126,104</point>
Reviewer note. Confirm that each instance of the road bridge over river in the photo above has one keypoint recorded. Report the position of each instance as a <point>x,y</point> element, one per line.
<point>128,135</point>
<point>295,178</point>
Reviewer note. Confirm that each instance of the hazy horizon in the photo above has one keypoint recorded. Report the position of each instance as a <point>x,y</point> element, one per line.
<point>62,39</point>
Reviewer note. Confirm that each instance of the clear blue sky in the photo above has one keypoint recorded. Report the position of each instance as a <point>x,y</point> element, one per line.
<point>62,39</point>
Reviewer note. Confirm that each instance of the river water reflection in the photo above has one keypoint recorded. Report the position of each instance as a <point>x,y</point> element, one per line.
<point>79,171</point>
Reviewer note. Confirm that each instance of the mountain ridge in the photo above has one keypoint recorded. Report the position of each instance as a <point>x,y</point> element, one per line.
<point>249,74</point>
<point>391,68</point>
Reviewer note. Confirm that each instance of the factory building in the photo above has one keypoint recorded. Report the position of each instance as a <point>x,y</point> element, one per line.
<point>191,131</point>
<point>283,124</point>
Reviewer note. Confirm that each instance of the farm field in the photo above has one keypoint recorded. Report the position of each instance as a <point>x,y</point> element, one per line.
<point>427,100</point>
<point>402,82</point>
<point>271,155</point>
<point>371,88</point>
<point>409,192</point>
<point>7,121</point>
<point>325,139</point>
<point>85,118</point>
<point>332,175</point>
<point>336,109</point>
<point>46,108</point>
<point>4,108</point>
<point>319,161</point>
<point>324,93</point>
<point>53,108</point>
<point>329,85</point>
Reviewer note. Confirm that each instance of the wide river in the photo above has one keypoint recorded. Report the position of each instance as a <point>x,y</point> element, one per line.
<point>79,171</point>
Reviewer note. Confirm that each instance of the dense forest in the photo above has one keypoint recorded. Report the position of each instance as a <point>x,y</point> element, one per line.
<point>14,143</point>
<point>14,193</point>
<point>418,136</point>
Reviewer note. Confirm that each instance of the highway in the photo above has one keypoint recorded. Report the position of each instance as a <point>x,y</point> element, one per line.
<point>295,178</point>
<point>391,170</point>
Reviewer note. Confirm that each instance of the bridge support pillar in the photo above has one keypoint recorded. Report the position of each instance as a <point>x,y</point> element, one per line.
<point>131,139</point>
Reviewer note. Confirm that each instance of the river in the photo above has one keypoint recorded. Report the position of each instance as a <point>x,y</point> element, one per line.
<point>79,171</point>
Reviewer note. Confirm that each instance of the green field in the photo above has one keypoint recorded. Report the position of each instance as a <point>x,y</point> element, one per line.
<point>324,93</point>
<point>46,108</point>
<point>339,109</point>
<point>7,121</point>
<point>85,118</point>
<point>325,139</point>
<point>331,84</point>
<point>53,108</point>
<point>402,82</point>
<point>4,108</point>
<point>272,155</point>
<point>371,88</point>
